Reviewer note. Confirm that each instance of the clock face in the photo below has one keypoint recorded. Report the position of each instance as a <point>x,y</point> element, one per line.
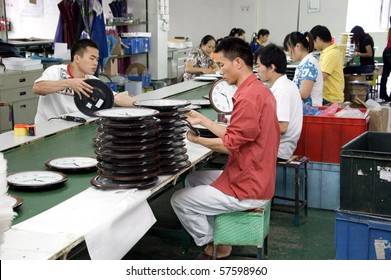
<point>26,180</point>
<point>126,113</point>
<point>72,163</point>
<point>220,96</point>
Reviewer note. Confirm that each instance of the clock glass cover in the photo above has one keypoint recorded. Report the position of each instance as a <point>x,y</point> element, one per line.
<point>27,180</point>
<point>220,96</point>
<point>72,163</point>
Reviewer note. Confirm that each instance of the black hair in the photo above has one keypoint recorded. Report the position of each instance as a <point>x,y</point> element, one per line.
<point>322,32</point>
<point>272,54</point>
<point>80,47</point>
<point>233,47</point>
<point>303,38</point>
<point>358,34</point>
<point>263,32</point>
<point>236,31</point>
<point>206,39</point>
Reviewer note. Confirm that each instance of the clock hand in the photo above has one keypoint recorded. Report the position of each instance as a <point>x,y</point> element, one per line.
<point>34,180</point>
<point>226,98</point>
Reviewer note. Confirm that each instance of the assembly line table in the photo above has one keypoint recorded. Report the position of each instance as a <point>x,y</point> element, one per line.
<point>50,224</point>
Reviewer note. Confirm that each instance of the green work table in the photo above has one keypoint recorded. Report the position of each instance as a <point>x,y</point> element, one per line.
<point>25,240</point>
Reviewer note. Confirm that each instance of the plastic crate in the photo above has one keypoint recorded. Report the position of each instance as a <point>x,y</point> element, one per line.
<point>323,185</point>
<point>362,237</point>
<point>322,138</point>
<point>366,174</point>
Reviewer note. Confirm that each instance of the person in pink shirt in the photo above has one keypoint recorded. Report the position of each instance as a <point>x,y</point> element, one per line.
<point>251,141</point>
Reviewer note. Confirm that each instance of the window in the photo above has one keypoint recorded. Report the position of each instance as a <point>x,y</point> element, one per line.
<point>372,15</point>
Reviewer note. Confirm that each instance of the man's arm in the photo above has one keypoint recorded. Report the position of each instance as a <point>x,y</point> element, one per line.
<point>325,76</point>
<point>123,99</point>
<point>48,86</point>
<point>215,144</point>
<point>283,127</point>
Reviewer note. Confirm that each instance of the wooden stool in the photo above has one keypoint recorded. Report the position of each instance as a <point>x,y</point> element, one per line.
<point>296,162</point>
<point>247,228</point>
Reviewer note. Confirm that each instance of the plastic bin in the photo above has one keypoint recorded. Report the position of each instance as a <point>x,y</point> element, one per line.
<point>362,237</point>
<point>366,174</point>
<point>322,138</point>
<point>323,185</point>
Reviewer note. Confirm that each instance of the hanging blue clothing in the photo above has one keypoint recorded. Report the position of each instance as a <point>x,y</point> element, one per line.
<point>98,34</point>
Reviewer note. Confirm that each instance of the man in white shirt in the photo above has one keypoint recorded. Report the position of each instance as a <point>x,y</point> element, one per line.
<point>271,65</point>
<point>59,83</point>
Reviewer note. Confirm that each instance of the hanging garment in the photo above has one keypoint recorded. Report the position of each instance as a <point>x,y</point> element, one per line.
<point>98,33</point>
<point>72,22</point>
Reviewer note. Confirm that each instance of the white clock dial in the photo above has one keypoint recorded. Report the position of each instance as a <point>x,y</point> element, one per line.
<point>126,113</point>
<point>220,96</point>
<point>35,179</point>
<point>72,163</point>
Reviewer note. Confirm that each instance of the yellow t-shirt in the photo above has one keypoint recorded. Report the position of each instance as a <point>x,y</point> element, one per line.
<point>331,62</point>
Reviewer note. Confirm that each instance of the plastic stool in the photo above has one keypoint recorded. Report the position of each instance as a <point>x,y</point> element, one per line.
<point>296,162</point>
<point>243,228</point>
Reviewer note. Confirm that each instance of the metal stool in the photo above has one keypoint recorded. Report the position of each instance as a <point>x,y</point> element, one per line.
<point>295,162</point>
<point>247,228</point>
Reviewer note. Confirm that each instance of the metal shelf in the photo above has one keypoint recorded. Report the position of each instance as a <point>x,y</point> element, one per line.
<point>126,23</point>
<point>126,55</point>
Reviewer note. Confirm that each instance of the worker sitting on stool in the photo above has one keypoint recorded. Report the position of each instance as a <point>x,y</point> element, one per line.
<point>271,66</point>
<point>251,141</point>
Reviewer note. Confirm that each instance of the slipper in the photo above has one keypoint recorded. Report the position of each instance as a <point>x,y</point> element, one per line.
<point>203,256</point>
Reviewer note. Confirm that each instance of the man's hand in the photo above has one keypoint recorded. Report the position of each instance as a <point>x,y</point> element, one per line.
<point>80,87</point>
<point>195,117</point>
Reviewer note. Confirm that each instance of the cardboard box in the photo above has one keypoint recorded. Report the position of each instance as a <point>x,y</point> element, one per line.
<point>378,120</point>
<point>111,67</point>
<point>118,47</point>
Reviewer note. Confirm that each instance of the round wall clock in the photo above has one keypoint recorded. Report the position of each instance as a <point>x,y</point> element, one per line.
<point>39,179</point>
<point>220,96</point>
<point>72,163</point>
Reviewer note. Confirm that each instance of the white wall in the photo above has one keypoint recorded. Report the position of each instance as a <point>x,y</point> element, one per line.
<point>279,16</point>
<point>196,18</point>
<point>27,26</point>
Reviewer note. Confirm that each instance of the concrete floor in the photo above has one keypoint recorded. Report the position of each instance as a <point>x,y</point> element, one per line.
<point>313,239</point>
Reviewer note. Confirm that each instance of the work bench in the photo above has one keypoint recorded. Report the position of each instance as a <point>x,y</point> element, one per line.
<point>53,224</point>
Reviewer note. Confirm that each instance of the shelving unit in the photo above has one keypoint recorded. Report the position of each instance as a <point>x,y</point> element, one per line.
<point>134,23</point>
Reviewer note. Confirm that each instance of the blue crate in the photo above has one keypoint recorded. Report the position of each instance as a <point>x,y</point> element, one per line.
<point>362,237</point>
<point>137,45</point>
<point>323,185</point>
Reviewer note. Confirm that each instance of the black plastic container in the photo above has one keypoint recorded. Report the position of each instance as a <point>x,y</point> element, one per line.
<point>366,174</point>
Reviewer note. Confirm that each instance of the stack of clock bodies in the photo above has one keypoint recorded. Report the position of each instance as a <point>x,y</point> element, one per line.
<point>127,143</point>
<point>172,149</point>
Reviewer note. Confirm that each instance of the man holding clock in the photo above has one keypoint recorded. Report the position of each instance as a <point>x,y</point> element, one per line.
<point>251,141</point>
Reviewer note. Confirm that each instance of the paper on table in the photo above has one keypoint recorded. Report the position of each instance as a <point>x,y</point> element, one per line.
<point>106,219</point>
<point>111,240</point>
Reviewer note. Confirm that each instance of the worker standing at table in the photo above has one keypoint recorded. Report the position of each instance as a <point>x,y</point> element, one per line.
<point>251,141</point>
<point>259,39</point>
<point>383,94</point>
<point>365,50</point>
<point>59,83</point>
<point>331,64</point>
<point>308,75</point>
